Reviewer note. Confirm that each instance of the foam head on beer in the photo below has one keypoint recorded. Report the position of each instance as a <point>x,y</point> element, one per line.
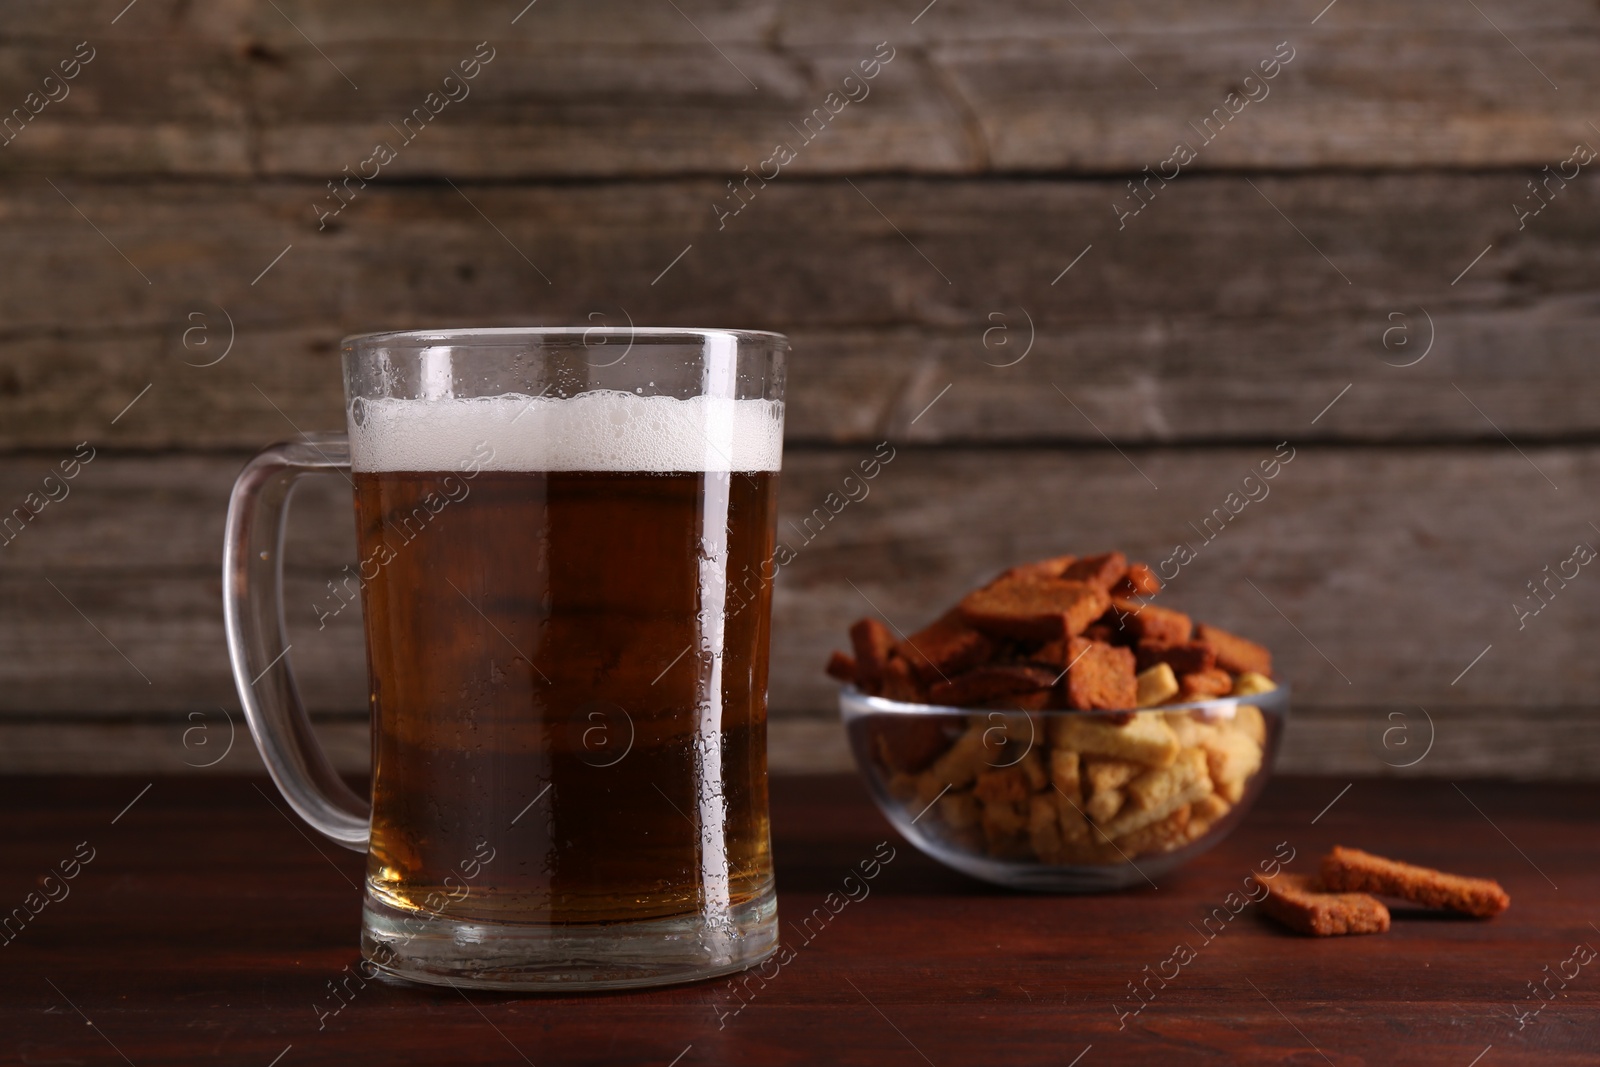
<point>601,430</point>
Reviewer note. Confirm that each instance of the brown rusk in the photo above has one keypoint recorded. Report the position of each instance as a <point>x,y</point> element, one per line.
<point>570,667</point>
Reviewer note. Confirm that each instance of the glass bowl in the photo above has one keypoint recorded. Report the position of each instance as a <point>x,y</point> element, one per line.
<point>1062,800</point>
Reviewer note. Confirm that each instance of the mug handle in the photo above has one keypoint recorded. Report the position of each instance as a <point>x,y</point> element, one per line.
<point>252,605</point>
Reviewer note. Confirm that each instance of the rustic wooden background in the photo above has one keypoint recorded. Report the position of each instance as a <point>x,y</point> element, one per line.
<point>1351,240</point>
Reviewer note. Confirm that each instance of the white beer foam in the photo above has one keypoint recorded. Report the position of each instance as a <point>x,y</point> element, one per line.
<point>602,430</point>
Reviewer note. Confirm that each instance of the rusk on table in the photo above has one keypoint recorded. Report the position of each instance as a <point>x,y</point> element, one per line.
<point>1350,868</point>
<point>1300,903</point>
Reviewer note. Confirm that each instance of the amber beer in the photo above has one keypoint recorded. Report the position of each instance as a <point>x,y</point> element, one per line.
<point>557,672</point>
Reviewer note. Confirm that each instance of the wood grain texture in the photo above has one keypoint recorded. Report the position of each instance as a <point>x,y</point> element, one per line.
<point>1529,744</point>
<point>1378,576</point>
<point>226,926</point>
<point>217,741</point>
<point>1285,287</point>
<point>247,88</point>
<point>1206,318</point>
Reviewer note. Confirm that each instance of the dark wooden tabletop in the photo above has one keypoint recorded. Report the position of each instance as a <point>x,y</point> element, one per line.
<point>206,928</point>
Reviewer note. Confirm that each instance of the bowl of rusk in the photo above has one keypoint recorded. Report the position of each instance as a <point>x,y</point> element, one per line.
<point>1059,730</point>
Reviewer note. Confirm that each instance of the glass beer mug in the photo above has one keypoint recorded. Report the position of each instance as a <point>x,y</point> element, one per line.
<point>566,542</point>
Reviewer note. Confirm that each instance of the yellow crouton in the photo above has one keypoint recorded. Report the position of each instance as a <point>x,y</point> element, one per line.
<point>1100,775</point>
<point>1248,720</point>
<point>1044,832</point>
<point>1250,683</point>
<point>1103,780</point>
<point>1163,835</point>
<point>1064,772</point>
<point>1032,766</point>
<point>959,811</point>
<point>1204,813</point>
<point>1157,685</point>
<point>1001,821</point>
<point>962,762</point>
<point>1231,758</point>
<point>1159,792</point>
<point>1189,730</point>
<point>1144,738</point>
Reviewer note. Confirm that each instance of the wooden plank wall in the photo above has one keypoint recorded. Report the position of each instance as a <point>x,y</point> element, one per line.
<point>1354,262</point>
